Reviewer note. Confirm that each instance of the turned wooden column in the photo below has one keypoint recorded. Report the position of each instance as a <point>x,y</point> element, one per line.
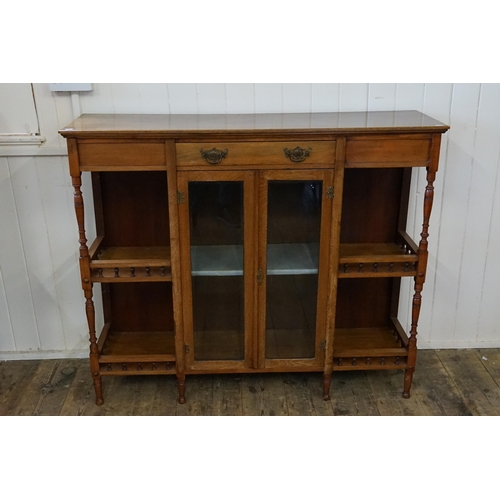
<point>84,260</point>
<point>422,263</point>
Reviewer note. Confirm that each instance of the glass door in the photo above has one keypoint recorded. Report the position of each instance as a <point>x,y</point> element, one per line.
<point>216,227</point>
<point>295,210</point>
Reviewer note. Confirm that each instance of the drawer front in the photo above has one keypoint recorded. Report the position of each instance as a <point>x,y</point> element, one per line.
<point>375,152</point>
<point>255,153</point>
<point>121,154</point>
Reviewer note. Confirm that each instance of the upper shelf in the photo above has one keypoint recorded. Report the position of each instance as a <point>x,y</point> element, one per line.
<point>131,264</point>
<point>372,260</point>
<point>179,126</point>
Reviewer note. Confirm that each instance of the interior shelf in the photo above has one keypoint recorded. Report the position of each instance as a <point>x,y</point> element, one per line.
<point>227,260</point>
<point>349,342</point>
<point>129,264</point>
<point>123,347</point>
<point>357,260</point>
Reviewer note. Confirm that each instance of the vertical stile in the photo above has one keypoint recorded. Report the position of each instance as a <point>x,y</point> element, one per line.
<point>175,266</point>
<point>338,184</point>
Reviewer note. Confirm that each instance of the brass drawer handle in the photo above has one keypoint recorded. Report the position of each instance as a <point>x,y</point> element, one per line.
<point>214,156</point>
<point>297,154</point>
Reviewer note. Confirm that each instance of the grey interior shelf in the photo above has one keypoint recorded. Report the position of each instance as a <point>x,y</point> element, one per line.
<point>227,260</point>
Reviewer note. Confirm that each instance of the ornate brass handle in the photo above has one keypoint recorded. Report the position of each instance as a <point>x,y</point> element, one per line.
<point>297,154</point>
<point>214,156</point>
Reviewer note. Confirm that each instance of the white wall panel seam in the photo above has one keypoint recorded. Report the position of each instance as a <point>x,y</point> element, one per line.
<point>9,319</point>
<point>443,188</point>
<point>462,246</point>
<point>56,288</point>
<point>24,258</point>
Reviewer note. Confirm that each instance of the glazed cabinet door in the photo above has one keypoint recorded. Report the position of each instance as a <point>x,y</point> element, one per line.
<point>216,222</point>
<point>295,210</point>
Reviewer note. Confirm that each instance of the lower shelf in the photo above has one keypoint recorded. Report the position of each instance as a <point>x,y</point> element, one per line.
<point>368,349</point>
<point>125,347</point>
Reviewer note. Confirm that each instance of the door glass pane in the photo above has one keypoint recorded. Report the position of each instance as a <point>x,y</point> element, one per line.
<point>216,229</point>
<point>293,233</point>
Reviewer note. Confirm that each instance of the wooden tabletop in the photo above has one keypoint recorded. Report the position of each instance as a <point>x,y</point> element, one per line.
<point>104,125</point>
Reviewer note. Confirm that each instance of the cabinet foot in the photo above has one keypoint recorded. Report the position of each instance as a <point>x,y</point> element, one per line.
<point>407,383</point>
<point>181,388</point>
<point>327,379</point>
<point>99,400</point>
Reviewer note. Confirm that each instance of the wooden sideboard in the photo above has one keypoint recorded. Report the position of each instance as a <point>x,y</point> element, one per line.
<point>252,243</point>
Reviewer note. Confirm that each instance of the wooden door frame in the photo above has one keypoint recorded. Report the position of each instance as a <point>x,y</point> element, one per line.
<point>327,177</point>
<point>249,216</point>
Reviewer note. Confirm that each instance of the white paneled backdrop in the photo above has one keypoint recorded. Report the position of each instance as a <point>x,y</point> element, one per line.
<point>41,304</point>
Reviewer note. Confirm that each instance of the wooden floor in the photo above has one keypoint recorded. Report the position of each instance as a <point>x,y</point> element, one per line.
<point>447,382</point>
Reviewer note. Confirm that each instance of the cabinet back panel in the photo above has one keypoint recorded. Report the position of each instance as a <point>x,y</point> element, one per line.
<point>371,205</point>
<point>364,302</point>
<point>135,208</point>
<point>137,307</point>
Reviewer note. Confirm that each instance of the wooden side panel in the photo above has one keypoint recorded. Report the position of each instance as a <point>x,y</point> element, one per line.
<point>135,208</point>
<point>140,307</point>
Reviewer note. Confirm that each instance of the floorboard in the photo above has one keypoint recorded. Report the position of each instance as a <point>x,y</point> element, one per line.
<point>446,383</point>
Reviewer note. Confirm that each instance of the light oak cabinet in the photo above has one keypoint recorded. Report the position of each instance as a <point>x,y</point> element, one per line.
<point>252,243</point>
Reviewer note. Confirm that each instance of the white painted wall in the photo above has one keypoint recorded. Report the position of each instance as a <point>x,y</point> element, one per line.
<point>41,304</point>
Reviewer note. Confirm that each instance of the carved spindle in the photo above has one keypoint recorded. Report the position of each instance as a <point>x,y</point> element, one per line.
<point>153,366</point>
<point>339,362</point>
<point>148,271</point>
<point>353,362</point>
<point>406,267</point>
<point>124,367</point>
<point>139,366</point>
<point>117,272</point>
<point>368,361</point>
<point>360,268</point>
<point>76,182</point>
<point>99,272</point>
<point>382,361</point>
<point>397,360</point>
<point>168,366</point>
<point>80,215</point>
<point>375,267</point>
<point>162,269</point>
<point>132,272</point>
<point>419,281</point>
<point>346,267</point>
<point>391,267</point>
<point>109,367</point>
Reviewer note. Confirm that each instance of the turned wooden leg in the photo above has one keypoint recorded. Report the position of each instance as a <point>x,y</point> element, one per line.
<point>99,400</point>
<point>407,383</point>
<point>181,388</point>
<point>327,379</point>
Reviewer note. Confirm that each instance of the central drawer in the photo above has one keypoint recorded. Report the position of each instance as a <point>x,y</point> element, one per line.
<point>291,154</point>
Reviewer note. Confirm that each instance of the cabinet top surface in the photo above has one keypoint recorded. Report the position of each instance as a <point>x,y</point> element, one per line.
<point>253,124</point>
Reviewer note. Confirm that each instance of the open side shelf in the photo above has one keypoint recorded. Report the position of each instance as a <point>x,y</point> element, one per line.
<point>129,264</point>
<point>371,260</point>
<point>370,348</point>
<point>136,353</point>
